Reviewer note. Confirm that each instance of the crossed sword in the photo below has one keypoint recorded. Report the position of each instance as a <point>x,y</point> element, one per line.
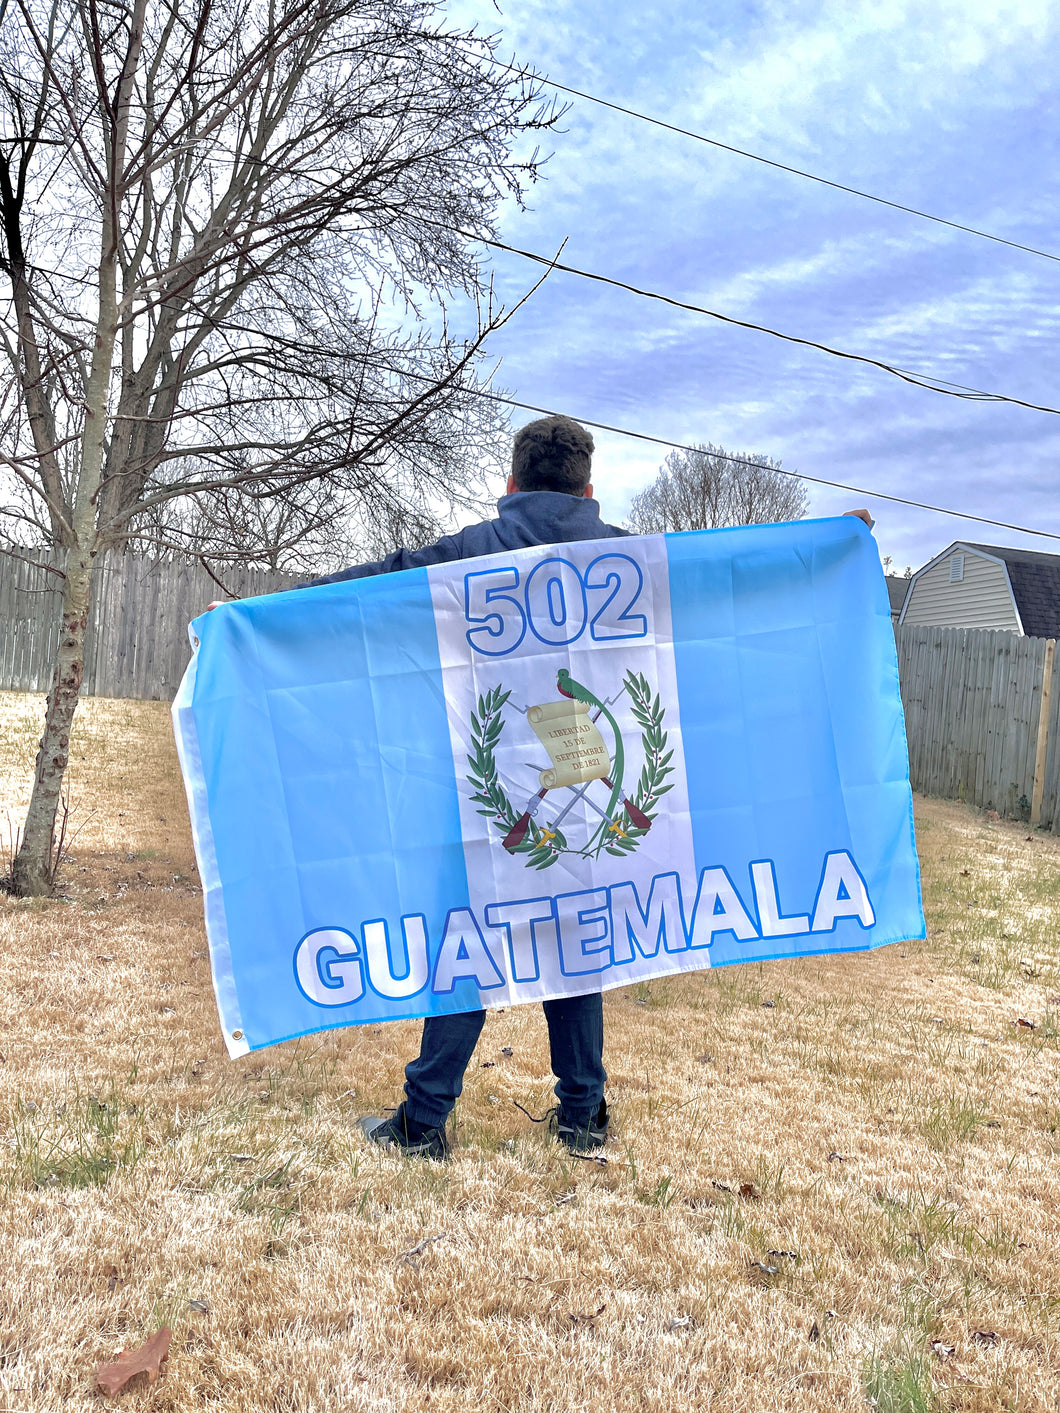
<point>517,833</point>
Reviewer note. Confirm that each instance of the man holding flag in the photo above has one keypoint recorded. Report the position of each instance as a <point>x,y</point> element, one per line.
<point>549,500</point>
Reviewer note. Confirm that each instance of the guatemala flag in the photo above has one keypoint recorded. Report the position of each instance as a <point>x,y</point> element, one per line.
<point>547,772</point>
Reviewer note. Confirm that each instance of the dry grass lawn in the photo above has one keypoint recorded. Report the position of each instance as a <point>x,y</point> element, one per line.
<point>833,1182</point>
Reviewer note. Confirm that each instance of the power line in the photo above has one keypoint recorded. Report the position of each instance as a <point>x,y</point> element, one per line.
<point>778,166</point>
<point>921,380</point>
<point>744,461</point>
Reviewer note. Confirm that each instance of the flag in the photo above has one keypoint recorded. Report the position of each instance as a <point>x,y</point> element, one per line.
<point>547,772</point>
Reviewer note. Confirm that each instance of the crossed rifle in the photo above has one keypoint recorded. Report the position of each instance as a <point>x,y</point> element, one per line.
<point>517,833</point>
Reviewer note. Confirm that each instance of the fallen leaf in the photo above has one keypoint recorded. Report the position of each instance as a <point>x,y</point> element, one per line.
<point>965,873</point>
<point>148,1359</point>
<point>680,1322</point>
<point>745,1189</point>
<point>199,1306</point>
<point>578,1318</point>
<point>942,1351</point>
<point>993,816</point>
<point>987,1337</point>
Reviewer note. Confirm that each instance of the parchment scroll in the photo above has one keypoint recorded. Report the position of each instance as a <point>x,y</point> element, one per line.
<point>575,746</point>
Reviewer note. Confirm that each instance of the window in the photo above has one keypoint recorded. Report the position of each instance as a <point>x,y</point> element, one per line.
<point>956,568</point>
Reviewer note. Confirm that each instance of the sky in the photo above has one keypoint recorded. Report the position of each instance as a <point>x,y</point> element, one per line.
<point>947,107</point>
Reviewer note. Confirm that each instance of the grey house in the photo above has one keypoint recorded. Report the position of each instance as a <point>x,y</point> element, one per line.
<point>987,586</point>
<point>897,588</point>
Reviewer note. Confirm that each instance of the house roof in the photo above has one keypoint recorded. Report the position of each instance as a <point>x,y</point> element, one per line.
<point>897,588</point>
<point>1035,580</point>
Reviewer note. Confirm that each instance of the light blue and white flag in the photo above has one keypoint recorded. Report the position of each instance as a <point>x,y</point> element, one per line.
<point>547,772</point>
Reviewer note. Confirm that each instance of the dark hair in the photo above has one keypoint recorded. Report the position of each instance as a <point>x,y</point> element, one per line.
<point>552,454</point>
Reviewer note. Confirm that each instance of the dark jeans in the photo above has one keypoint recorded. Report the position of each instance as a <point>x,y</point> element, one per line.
<point>576,1040</point>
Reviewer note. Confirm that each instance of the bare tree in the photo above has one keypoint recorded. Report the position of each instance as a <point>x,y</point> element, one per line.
<point>314,527</point>
<point>706,488</point>
<point>218,217</point>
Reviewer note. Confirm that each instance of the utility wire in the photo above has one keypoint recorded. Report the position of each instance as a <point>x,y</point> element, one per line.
<point>745,461</point>
<point>921,380</point>
<point>778,166</point>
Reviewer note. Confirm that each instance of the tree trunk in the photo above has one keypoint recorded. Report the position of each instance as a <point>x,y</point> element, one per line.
<point>32,872</point>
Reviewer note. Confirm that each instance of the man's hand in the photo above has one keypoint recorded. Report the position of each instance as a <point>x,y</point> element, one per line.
<point>216,604</point>
<point>861,514</point>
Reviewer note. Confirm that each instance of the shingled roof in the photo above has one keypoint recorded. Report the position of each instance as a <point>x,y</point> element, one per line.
<point>1035,580</point>
<point>897,588</point>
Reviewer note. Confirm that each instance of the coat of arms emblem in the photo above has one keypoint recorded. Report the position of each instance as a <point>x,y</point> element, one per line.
<point>582,767</point>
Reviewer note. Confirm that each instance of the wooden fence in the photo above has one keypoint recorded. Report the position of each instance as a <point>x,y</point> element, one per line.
<point>982,709</point>
<point>137,641</point>
<point>981,716</point>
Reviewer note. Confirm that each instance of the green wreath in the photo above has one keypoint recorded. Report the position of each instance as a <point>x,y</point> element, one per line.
<point>649,716</point>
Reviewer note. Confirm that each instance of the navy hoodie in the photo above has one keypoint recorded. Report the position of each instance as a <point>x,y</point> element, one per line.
<point>524,518</point>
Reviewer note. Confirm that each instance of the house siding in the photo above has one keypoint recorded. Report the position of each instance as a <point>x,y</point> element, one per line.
<point>982,599</point>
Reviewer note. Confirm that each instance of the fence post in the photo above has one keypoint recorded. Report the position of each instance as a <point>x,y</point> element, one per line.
<point>1043,733</point>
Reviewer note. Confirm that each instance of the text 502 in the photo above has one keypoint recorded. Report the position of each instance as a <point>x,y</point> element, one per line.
<point>555,602</point>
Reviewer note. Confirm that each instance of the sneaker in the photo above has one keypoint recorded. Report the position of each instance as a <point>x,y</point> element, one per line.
<point>584,1137</point>
<point>407,1136</point>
